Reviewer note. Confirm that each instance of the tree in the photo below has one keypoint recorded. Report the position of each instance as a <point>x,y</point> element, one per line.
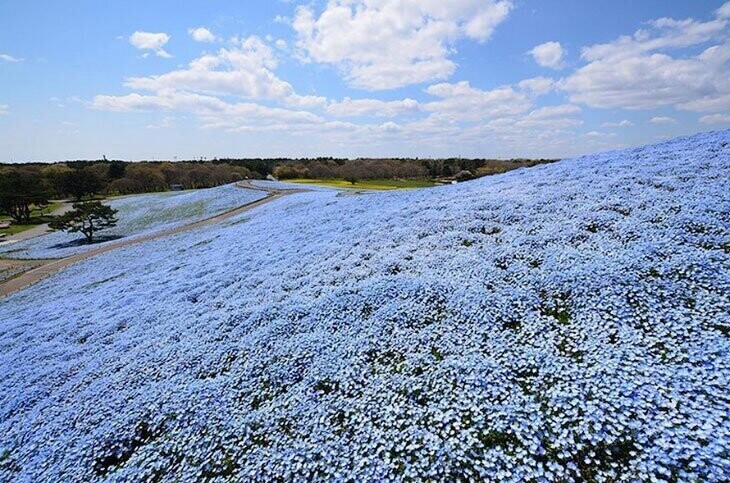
<point>19,191</point>
<point>116,170</point>
<point>82,182</point>
<point>88,218</point>
<point>353,171</point>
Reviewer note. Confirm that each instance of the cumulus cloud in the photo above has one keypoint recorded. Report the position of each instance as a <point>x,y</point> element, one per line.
<point>599,134</point>
<point>622,123</point>
<point>202,34</point>
<point>305,102</point>
<point>637,72</point>
<point>390,126</point>
<point>537,85</point>
<point>372,107</point>
<point>561,116</point>
<point>715,119</point>
<point>723,11</point>
<point>9,58</point>
<point>245,70</point>
<point>551,112</point>
<point>384,44</point>
<point>462,102</point>
<point>663,120</point>
<point>4,109</point>
<point>214,112</point>
<point>150,41</point>
<point>549,54</point>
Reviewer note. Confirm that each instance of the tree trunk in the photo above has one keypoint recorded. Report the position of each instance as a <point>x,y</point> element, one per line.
<point>26,212</point>
<point>90,232</point>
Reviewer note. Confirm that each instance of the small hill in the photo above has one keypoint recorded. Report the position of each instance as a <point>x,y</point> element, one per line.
<point>139,215</point>
<point>563,322</point>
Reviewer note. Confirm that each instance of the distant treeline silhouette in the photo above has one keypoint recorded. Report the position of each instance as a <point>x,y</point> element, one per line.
<point>113,177</point>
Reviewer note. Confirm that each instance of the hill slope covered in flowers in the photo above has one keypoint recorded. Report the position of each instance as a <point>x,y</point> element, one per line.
<point>565,322</point>
<point>139,215</point>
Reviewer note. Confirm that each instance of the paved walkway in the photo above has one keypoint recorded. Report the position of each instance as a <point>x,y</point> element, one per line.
<point>52,266</point>
<point>38,230</point>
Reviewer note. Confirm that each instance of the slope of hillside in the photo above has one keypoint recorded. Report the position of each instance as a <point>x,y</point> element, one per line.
<point>139,215</point>
<point>568,321</point>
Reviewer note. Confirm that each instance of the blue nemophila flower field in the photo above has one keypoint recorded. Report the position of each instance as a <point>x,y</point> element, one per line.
<point>567,322</point>
<point>139,215</point>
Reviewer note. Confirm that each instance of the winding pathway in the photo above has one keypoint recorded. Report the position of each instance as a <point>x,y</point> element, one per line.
<point>45,270</point>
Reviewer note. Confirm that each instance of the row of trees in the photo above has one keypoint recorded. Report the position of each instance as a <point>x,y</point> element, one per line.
<point>21,185</point>
<point>27,185</point>
<point>23,191</point>
<point>396,168</point>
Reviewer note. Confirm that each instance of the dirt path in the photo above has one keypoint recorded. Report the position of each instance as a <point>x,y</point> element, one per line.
<point>52,266</point>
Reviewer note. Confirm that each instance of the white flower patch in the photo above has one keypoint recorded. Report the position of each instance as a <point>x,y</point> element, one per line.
<point>566,322</point>
<point>139,215</point>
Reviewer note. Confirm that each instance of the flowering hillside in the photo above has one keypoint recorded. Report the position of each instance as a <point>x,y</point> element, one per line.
<point>139,215</point>
<point>566,322</point>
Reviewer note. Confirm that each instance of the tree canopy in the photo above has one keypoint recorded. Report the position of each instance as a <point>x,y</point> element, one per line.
<point>88,218</point>
<point>20,191</point>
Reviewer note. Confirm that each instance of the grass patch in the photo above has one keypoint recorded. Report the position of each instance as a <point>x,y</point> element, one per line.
<point>15,229</point>
<point>369,184</point>
<point>37,217</point>
<point>39,212</point>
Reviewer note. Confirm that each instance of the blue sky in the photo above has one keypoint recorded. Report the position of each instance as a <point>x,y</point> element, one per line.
<point>429,78</point>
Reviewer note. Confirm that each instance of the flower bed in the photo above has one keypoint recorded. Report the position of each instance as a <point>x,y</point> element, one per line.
<point>564,322</point>
<point>139,215</point>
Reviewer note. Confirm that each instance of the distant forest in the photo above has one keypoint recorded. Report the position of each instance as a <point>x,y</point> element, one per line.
<point>108,177</point>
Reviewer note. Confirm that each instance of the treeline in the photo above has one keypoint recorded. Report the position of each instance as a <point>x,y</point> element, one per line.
<point>79,179</point>
<point>398,168</point>
<point>404,168</point>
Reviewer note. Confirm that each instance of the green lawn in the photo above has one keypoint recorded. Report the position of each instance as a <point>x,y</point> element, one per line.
<point>368,184</point>
<point>38,216</point>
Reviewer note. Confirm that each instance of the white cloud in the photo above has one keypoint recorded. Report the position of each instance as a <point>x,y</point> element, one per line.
<point>213,112</point>
<point>305,102</point>
<point>390,126</point>
<point>537,85</point>
<point>599,134</point>
<point>663,120</point>
<point>462,102</point>
<point>636,72</point>
<point>723,11</point>
<point>372,107</point>
<point>384,44</point>
<point>244,70</point>
<point>150,41</point>
<point>561,116</point>
<point>549,54</point>
<point>715,118</point>
<point>4,109</point>
<point>551,112</point>
<point>622,123</point>
<point>202,34</point>
<point>9,58</point>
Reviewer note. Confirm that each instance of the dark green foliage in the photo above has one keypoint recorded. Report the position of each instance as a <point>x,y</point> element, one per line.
<point>116,170</point>
<point>326,386</point>
<point>84,179</point>
<point>19,190</point>
<point>121,451</point>
<point>88,218</point>
<point>82,182</point>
